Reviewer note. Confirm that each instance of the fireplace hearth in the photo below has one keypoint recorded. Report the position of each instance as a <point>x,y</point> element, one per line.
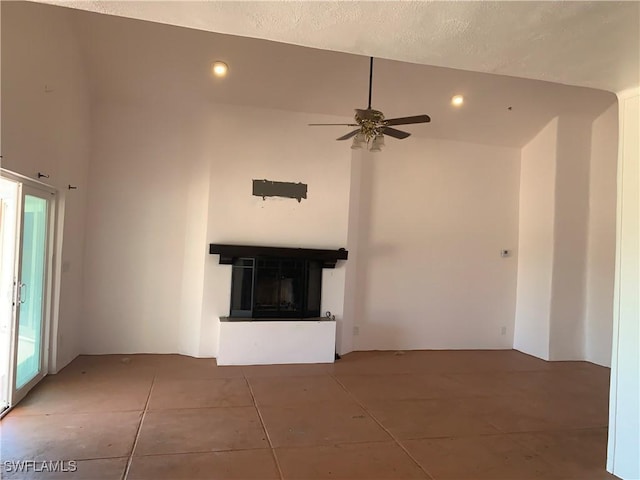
<point>276,283</point>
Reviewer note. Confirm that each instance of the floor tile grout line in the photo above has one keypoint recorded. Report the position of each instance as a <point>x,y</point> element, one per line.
<point>333,444</point>
<point>502,433</point>
<point>206,407</point>
<point>137,437</point>
<point>200,452</point>
<point>85,412</point>
<point>396,440</point>
<point>266,432</point>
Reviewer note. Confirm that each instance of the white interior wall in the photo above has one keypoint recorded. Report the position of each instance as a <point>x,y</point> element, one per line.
<point>274,145</point>
<point>0,85</point>
<point>147,240</point>
<point>197,182</point>
<point>164,192</point>
<point>601,238</point>
<point>624,406</point>
<point>535,242</point>
<point>135,229</point>
<point>570,229</point>
<point>358,210</point>
<point>565,265</point>
<point>46,128</point>
<point>436,215</point>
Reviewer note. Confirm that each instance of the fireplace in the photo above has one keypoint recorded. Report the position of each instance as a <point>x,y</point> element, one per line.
<point>265,287</point>
<point>276,283</point>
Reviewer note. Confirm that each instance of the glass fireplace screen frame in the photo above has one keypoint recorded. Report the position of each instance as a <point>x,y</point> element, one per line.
<point>275,287</point>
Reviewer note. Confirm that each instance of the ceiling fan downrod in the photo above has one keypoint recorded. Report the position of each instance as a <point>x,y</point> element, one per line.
<point>370,81</point>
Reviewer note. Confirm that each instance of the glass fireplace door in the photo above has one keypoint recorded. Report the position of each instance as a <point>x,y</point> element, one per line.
<point>242,278</point>
<point>272,287</point>
<point>278,288</point>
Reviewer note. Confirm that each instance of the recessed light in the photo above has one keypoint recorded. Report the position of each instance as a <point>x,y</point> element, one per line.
<point>457,100</point>
<point>220,69</point>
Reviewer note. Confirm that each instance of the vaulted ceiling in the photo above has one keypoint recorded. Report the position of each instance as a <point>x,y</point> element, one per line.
<point>586,43</point>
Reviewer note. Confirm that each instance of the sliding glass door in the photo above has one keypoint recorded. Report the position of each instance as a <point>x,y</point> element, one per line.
<point>31,299</point>
<point>31,288</point>
<point>25,280</point>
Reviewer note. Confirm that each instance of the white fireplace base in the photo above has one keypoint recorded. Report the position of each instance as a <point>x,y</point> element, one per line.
<point>276,341</point>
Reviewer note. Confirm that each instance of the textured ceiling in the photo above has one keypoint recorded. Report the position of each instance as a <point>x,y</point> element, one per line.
<point>136,62</point>
<point>591,44</point>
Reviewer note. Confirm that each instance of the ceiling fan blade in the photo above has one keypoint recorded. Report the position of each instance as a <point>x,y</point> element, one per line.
<point>392,132</point>
<point>333,124</point>
<point>409,120</point>
<point>349,135</point>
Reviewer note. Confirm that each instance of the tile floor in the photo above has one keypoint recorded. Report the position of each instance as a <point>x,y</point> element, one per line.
<point>371,415</point>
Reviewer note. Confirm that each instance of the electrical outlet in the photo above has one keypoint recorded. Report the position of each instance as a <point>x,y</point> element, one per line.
<point>503,330</point>
<point>356,330</point>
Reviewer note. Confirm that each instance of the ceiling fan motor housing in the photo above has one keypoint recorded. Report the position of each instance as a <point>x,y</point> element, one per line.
<point>371,122</point>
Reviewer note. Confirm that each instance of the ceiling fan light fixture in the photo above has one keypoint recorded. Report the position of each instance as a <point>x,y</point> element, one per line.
<point>358,141</point>
<point>377,143</point>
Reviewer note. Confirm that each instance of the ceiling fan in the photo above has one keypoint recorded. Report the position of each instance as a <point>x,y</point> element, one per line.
<point>372,126</point>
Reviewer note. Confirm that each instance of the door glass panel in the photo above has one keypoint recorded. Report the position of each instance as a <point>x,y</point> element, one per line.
<point>31,289</point>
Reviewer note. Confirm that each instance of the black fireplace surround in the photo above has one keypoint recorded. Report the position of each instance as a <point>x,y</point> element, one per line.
<point>275,282</point>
